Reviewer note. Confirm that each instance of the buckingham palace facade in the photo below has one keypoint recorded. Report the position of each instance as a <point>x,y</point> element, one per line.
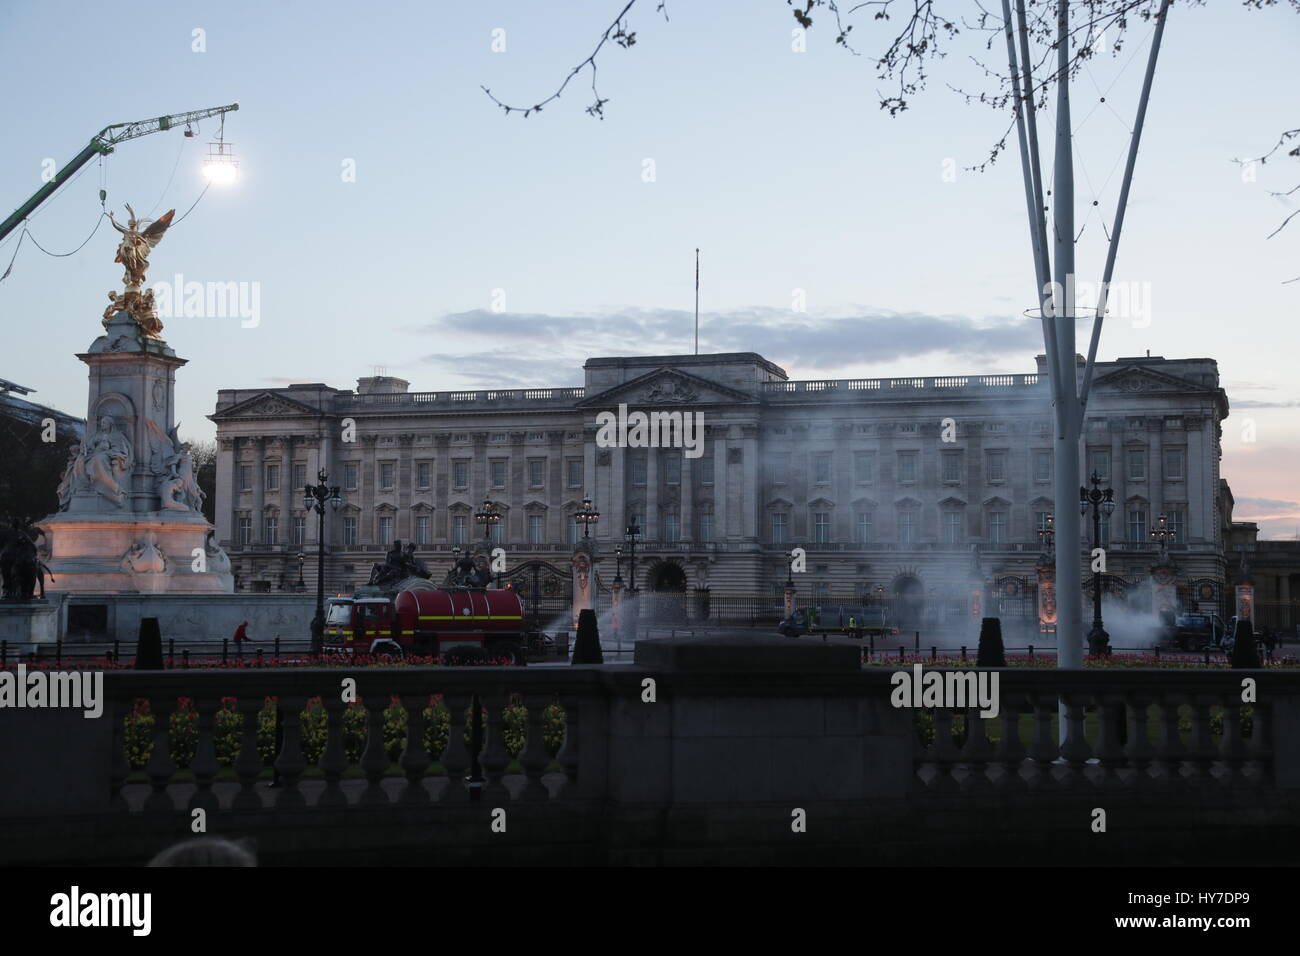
<point>865,474</point>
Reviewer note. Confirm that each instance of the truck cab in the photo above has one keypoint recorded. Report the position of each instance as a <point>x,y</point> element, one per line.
<point>361,626</point>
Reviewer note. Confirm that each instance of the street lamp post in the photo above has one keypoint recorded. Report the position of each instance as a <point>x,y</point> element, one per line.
<point>314,498</point>
<point>1099,500</point>
<point>632,532</point>
<point>1047,535</point>
<point>489,518</point>
<point>586,516</point>
<point>1162,534</point>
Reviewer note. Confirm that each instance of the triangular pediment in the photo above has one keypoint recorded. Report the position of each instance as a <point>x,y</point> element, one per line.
<point>666,387</point>
<point>1146,380</point>
<point>266,405</point>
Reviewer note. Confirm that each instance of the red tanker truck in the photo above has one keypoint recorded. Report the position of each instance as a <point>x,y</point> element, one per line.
<point>427,621</point>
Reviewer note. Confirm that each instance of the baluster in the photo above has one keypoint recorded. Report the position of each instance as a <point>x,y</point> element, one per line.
<point>1110,752</point>
<point>1202,750</point>
<point>120,767</point>
<point>205,766</point>
<point>334,759</point>
<point>1074,748</point>
<point>455,759</point>
<point>415,758</point>
<point>1138,748</point>
<point>534,756</point>
<point>1261,744</point>
<point>1043,750</point>
<point>569,751</point>
<point>1169,748</point>
<point>944,753</point>
<point>1010,749</point>
<point>248,765</point>
<point>374,759</point>
<point>1232,749</point>
<point>290,762</point>
<point>495,757</point>
<point>976,753</point>
<point>160,766</point>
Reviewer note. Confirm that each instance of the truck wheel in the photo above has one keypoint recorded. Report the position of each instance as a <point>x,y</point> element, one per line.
<point>511,652</point>
<point>387,650</point>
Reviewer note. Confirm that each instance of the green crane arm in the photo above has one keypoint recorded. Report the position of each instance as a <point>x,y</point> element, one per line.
<point>103,143</point>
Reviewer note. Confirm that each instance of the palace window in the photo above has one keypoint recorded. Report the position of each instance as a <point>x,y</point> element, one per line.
<point>995,465</point>
<point>1137,524</point>
<point>573,477</point>
<point>272,477</point>
<point>299,529</point>
<point>1174,521</point>
<point>672,469</point>
<point>671,524</point>
<point>350,474</point>
<point>498,468</point>
<point>778,527</point>
<point>997,527</point>
<point>1174,461</point>
<point>385,530</point>
<point>780,468</point>
<point>1137,463</point>
<point>245,531</point>
<point>863,527</point>
<point>952,527</point>
<point>704,522</point>
<point>1099,462</point>
<point>422,529</point>
<point>822,469</point>
<point>951,466</point>
<point>537,528</point>
<point>299,475</point>
<point>1042,466</point>
<point>907,526</point>
<point>423,474</point>
<point>706,470</point>
<point>349,531</point>
<point>387,474</point>
<point>269,523</point>
<point>460,473</point>
<point>637,467</point>
<point>907,466</point>
<point>864,467</point>
<point>535,469</point>
<point>459,529</point>
<point>822,527</point>
<point>245,477</point>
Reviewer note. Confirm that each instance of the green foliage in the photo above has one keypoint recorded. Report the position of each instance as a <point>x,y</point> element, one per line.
<point>138,734</point>
<point>183,733</point>
<point>228,727</point>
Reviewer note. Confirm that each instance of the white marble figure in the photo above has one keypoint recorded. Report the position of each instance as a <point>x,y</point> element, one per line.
<point>145,557</point>
<point>74,477</point>
<point>173,467</point>
<point>104,458</point>
<point>218,560</point>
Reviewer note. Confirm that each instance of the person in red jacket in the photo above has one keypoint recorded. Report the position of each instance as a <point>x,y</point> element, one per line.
<point>241,637</point>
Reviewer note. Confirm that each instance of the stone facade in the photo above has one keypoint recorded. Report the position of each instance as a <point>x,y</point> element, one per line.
<point>863,473</point>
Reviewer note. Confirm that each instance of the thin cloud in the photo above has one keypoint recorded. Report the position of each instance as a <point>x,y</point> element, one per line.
<point>799,339</point>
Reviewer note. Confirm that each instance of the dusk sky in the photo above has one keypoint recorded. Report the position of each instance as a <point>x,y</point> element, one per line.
<point>780,166</point>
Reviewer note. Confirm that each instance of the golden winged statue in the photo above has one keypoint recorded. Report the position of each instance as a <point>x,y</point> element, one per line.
<point>133,253</point>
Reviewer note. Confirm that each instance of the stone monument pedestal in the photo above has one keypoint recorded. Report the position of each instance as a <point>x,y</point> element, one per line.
<point>130,510</point>
<point>30,622</point>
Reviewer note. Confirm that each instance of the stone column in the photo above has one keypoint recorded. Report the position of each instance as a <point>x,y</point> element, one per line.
<point>721,483</point>
<point>618,489</point>
<point>749,444</point>
<point>1118,481</point>
<point>227,495</point>
<point>686,495</point>
<point>259,488</point>
<point>286,503</point>
<point>652,527</point>
<point>405,482</point>
<point>1156,472</point>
